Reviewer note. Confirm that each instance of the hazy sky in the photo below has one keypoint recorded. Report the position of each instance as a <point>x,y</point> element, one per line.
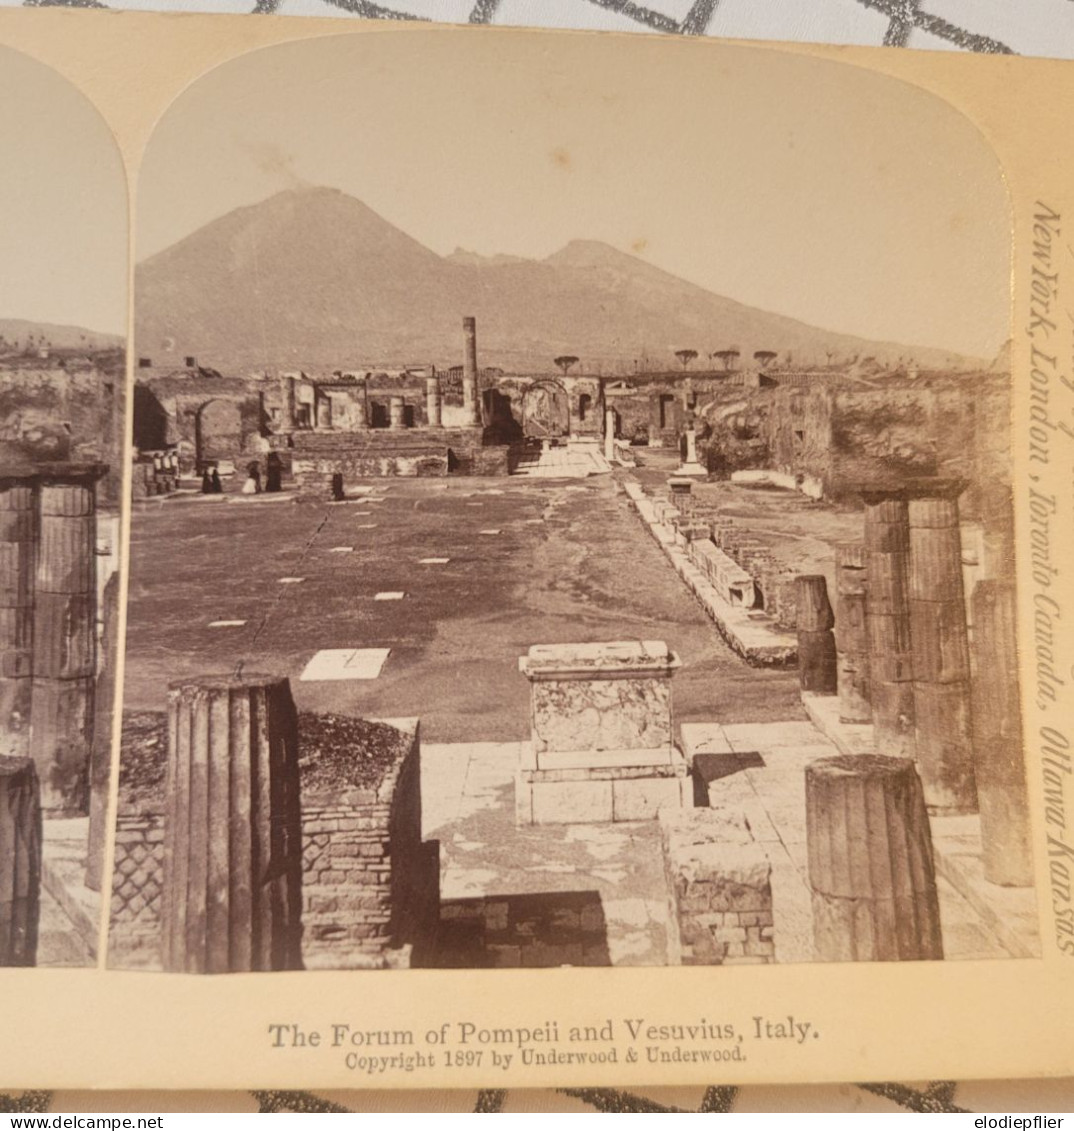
<point>810,188</point>
<point>63,203</point>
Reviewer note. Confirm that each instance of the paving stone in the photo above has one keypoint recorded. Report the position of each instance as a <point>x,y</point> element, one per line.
<point>345,664</point>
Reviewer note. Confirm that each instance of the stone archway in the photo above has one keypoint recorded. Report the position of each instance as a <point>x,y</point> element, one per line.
<point>546,411</point>
<point>218,432</point>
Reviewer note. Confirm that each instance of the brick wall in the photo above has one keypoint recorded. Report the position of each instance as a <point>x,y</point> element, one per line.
<point>370,886</point>
<point>719,890</point>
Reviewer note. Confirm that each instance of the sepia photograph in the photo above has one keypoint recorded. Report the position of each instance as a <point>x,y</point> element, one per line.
<point>565,531</point>
<point>63,315</point>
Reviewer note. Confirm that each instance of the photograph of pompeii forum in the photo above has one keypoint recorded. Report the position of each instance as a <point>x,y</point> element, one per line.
<point>63,312</point>
<point>537,605</point>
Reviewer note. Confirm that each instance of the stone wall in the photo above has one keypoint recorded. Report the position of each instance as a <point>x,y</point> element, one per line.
<point>374,453</point>
<point>370,885</point>
<point>719,890</point>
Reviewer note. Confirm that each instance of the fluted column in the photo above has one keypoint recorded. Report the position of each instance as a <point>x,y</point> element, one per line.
<point>941,657</point>
<point>997,738</point>
<point>816,642</point>
<point>887,622</point>
<point>18,544</point>
<point>869,851</point>
<point>233,843</point>
<point>471,401</point>
<point>432,400</point>
<point>851,643</point>
<point>20,861</point>
<point>65,645</point>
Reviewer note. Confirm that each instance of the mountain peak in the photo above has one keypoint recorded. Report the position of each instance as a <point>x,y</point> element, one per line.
<point>590,253</point>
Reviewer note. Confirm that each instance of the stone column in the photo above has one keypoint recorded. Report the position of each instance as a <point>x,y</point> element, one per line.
<point>233,840</point>
<point>361,405</point>
<point>65,644</point>
<point>609,434</point>
<point>397,412</point>
<point>997,737</point>
<point>471,401</point>
<point>941,658</point>
<point>887,622</point>
<point>869,851</point>
<point>997,519</point>
<point>287,399</point>
<point>20,862</point>
<point>323,408</point>
<point>101,756</point>
<point>851,643</point>
<point>432,400</point>
<point>816,641</point>
<point>18,544</point>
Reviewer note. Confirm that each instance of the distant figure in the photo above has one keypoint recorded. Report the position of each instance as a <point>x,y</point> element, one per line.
<point>218,487</point>
<point>337,488</point>
<point>206,483</point>
<point>273,473</point>
<point>252,486</point>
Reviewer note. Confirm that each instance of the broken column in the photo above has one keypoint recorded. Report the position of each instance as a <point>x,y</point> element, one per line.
<point>65,641</point>
<point>816,641</point>
<point>20,861</point>
<point>609,434</point>
<point>602,747</point>
<point>887,622</point>
<point>869,852</point>
<point>941,659</point>
<point>233,842</point>
<point>997,733</point>
<point>470,399</point>
<point>432,400</point>
<point>18,542</point>
<point>396,412</point>
<point>851,642</point>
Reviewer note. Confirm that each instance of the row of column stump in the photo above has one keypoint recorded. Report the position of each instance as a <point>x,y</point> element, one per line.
<point>896,650</point>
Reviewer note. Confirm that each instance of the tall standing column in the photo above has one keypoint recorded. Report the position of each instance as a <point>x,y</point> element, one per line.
<point>609,434</point>
<point>65,645</point>
<point>816,643</point>
<point>432,400</point>
<point>851,643</point>
<point>18,542</point>
<point>101,756</point>
<point>287,404</point>
<point>887,622</point>
<point>869,849</point>
<point>997,737</point>
<point>232,834</point>
<point>20,862</point>
<point>471,402</point>
<point>941,656</point>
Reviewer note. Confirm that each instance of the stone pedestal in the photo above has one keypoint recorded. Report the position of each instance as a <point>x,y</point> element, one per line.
<point>233,843</point>
<point>690,466</point>
<point>601,747</point>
